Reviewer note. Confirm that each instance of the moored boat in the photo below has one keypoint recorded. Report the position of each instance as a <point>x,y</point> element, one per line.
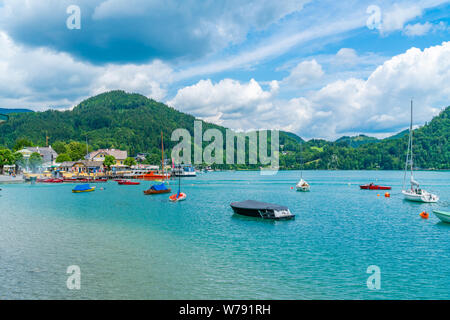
<point>302,185</point>
<point>178,197</point>
<point>152,175</point>
<point>371,186</point>
<point>50,180</point>
<point>444,216</point>
<point>414,193</point>
<point>83,188</point>
<point>263,210</point>
<point>128,183</point>
<point>158,189</point>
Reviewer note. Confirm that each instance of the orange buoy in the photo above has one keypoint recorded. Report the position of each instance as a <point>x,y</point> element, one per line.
<point>387,195</point>
<point>292,188</point>
<point>424,215</point>
<point>378,195</point>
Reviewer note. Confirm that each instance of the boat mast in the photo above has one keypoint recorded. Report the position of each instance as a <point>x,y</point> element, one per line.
<point>301,161</point>
<point>162,154</point>
<point>409,150</point>
<point>411,139</point>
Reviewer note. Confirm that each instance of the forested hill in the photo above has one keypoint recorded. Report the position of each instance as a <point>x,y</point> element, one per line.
<point>133,122</point>
<point>114,119</point>
<point>431,150</point>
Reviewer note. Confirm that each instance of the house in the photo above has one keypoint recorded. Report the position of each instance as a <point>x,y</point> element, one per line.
<point>47,153</point>
<point>82,166</point>
<point>99,155</point>
<point>140,157</point>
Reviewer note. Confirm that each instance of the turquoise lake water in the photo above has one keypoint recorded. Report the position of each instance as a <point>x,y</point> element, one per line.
<point>131,246</point>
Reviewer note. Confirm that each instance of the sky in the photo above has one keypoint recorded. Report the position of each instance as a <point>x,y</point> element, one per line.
<point>320,69</point>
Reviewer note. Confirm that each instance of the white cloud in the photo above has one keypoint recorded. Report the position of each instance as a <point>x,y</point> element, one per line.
<point>418,29</point>
<point>225,101</point>
<point>303,73</point>
<point>377,105</point>
<point>41,78</point>
<point>346,56</point>
<point>398,15</point>
<point>421,29</point>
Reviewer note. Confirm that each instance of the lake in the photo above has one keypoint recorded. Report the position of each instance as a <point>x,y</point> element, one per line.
<point>131,246</point>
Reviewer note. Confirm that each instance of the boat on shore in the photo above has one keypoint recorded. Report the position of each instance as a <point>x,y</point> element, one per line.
<point>371,186</point>
<point>157,189</point>
<point>444,216</point>
<point>83,188</point>
<point>252,208</point>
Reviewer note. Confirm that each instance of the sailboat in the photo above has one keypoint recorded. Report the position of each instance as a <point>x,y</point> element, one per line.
<point>414,193</point>
<point>179,196</point>
<point>302,185</point>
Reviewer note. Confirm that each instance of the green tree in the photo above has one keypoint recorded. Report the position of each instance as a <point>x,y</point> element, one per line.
<point>63,157</point>
<point>19,160</point>
<point>153,159</point>
<point>60,147</point>
<point>109,161</point>
<point>130,161</point>
<point>6,158</point>
<point>76,150</point>
<point>22,143</point>
<point>35,161</point>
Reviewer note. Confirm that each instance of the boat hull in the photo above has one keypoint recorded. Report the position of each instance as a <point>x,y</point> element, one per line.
<point>128,183</point>
<point>374,187</point>
<point>303,188</point>
<point>151,191</point>
<point>261,210</point>
<point>426,197</point>
<point>174,197</point>
<point>82,191</point>
<point>442,215</point>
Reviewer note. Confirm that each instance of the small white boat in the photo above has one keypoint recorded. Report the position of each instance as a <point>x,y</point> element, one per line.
<point>420,195</point>
<point>443,215</point>
<point>414,193</point>
<point>302,185</point>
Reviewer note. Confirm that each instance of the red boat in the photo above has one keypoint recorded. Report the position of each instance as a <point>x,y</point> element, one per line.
<point>51,180</point>
<point>128,183</point>
<point>371,186</point>
<point>92,181</point>
<point>154,176</point>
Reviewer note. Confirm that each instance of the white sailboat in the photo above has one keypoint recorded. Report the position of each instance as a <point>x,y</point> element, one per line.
<point>302,185</point>
<point>414,193</point>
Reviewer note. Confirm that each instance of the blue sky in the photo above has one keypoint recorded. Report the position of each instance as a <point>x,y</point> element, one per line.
<point>317,68</point>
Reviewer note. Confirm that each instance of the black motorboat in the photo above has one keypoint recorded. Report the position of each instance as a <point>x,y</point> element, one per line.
<point>263,210</point>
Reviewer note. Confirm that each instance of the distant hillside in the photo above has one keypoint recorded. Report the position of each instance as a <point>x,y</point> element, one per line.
<point>356,141</point>
<point>8,111</point>
<point>133,122</point>
<point>114,119</point>
<point>431,150</point>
